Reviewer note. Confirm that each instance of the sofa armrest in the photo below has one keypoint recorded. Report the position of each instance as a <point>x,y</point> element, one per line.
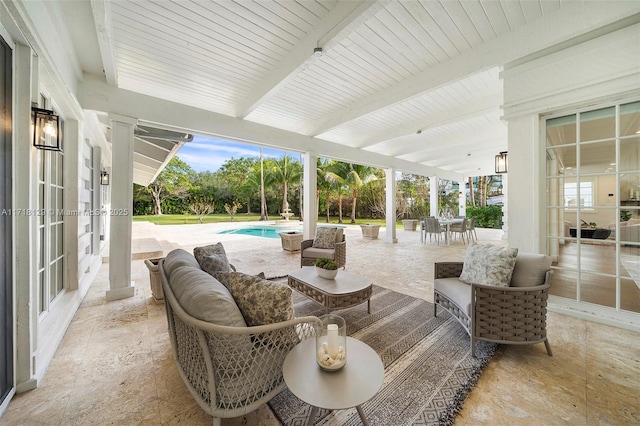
<point>447,269</point>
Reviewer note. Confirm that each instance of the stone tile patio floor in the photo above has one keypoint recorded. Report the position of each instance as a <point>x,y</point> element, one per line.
<point>115,364</point>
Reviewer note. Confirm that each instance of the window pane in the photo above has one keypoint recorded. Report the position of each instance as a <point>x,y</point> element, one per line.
<point>598,157</point>
<point>630,154</point>
<point>60,278</point>
<point>41,250</point>
<point>42,295</point>
<point>53,275</point>
<point>582,192</point>
<point>564,283</point>
<point>561,130</point>
<point>561,161</point>
<point>555,192</point>
<point>598,124</point>
<point>630,295</point>
<point>630,119</point>
<point>598,289</point>
<point>60,239</point>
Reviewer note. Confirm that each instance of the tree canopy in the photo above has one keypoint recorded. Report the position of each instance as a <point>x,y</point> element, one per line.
<point>358,188</point>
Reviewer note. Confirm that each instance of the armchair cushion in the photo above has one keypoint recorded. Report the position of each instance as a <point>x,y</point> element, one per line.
<point>457,291</point>
<point>530,269</point>
<point>487,264</point>
<point>326,238</point>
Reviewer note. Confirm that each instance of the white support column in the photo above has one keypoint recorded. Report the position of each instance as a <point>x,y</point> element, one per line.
<point>120,283</point>
<point>433,195</point>
<point>97,188</point>
<point>391,206</point>
<point>71,177</point>
<point>505,207</point>
<point>462,199</point>
<point>310,184</point>
<point>25,226</point>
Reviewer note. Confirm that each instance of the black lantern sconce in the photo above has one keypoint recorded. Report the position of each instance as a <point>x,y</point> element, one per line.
<point>46,129</point>
<point>104,178</point>
<point>502,163</point>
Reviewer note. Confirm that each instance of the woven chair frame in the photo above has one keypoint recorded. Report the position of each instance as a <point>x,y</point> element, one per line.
<point>504,315</point>
<point>340,254</point>
<point>230,371</point>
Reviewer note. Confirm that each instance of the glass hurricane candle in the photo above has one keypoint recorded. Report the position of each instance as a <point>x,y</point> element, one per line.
<point>331,342</point>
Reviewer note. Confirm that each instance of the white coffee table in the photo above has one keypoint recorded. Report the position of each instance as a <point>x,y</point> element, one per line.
<point>346,290</point>
<point>354,384</point>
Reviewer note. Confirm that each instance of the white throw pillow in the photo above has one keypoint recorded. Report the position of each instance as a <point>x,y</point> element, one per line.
<point>487,264</point>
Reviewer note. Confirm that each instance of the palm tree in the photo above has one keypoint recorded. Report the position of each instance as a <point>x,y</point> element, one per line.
<point>283,171</point>
<point>358,175</point>
<point>336,174</point>
<point>323,185</point>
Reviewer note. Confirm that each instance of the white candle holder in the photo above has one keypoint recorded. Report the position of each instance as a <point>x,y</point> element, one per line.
<point>331,342</point>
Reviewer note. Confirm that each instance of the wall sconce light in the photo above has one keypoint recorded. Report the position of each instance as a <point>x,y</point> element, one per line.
<point>502,162</point>
<point>46,129</point>
<point>104,178</point>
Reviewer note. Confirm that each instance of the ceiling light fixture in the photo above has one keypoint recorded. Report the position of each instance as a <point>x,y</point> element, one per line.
<point>418,132</point>
<point>317,52</point>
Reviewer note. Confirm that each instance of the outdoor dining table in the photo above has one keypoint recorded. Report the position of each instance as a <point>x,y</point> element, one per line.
<point>448,222</point>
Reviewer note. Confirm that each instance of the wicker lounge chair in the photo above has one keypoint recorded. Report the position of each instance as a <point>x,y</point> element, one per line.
<point>309,253</point>
<point>515,315</point>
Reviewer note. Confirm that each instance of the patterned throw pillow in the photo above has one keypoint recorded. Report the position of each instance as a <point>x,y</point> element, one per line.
<point>260,301</point>
<point>215,263</point>
<point>487,264</point>
<point>325,238</point>
<point>212,258</point>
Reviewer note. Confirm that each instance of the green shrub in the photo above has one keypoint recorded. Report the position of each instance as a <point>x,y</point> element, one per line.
<point>486,217</point>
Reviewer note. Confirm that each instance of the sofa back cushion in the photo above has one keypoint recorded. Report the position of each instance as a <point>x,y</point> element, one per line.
<point>530,269</point>
<point>177,258</point>
<point>205,298</point>
<point>487,264</point>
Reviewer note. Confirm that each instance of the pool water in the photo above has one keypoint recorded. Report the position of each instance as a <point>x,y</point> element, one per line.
<point>258,231</point>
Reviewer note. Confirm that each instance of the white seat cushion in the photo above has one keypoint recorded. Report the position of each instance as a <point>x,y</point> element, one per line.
<point>455,290</point>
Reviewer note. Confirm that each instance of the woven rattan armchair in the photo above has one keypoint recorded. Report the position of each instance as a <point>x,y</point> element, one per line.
<point>505,315</point>
<point>230,371</point>
<point>308,257</point>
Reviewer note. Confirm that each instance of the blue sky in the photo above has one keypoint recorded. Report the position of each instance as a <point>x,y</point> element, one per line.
<point>209,153</point>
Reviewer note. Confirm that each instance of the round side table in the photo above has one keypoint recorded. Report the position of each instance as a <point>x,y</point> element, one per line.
<point>354,384</point>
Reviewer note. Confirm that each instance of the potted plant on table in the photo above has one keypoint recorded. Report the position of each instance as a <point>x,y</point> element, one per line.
<point>326,268</point>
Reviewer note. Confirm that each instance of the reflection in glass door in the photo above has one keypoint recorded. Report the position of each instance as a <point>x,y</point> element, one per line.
<point>593,205</point>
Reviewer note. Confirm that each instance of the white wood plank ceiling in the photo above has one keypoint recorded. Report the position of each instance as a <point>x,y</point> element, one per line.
<point>412,80</point>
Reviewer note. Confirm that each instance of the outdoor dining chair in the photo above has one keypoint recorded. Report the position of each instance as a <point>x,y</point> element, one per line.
<point>461,229</point>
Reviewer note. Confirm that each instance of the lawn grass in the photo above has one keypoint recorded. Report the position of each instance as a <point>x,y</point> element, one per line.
<point>182,219</point>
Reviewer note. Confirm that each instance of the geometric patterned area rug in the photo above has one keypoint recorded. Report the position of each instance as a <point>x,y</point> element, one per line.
<point>429,370</point>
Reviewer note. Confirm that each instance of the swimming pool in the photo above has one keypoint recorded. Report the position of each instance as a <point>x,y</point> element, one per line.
<point>261,231</point>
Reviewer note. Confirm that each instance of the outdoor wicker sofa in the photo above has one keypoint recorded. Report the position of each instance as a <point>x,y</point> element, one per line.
<point>515,315</point>
<point>230,370</point>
